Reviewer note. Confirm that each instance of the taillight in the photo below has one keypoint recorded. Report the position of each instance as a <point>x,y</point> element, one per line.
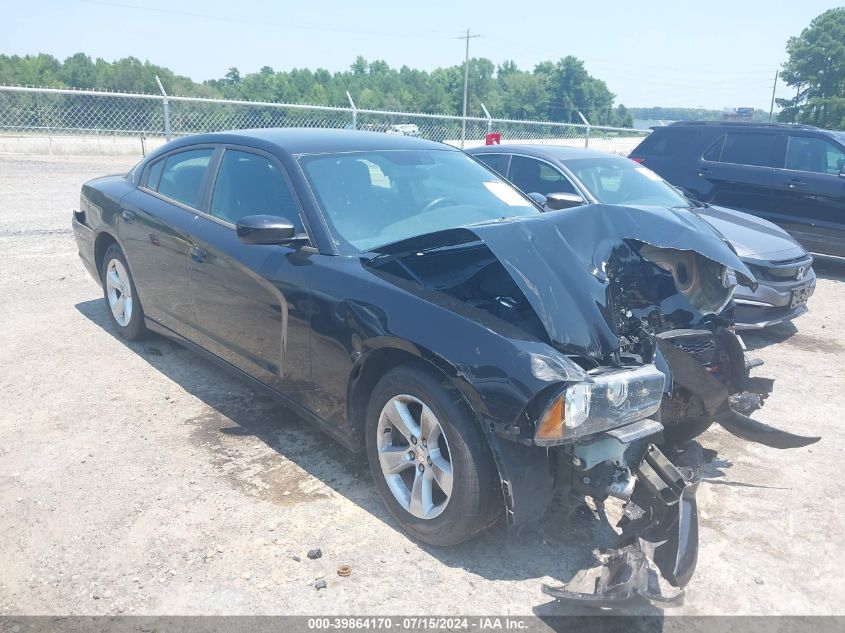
<point>637,159</point>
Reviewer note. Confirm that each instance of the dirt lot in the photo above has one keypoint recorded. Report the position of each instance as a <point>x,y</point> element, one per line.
<point>138,478</point>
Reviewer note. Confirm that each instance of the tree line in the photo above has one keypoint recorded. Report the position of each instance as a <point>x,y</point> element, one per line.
<point>551,91</point>
<point>688,114</point>
<point>816,70</point>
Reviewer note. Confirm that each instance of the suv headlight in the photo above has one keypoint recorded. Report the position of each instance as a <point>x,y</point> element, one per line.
<point>607,401</point>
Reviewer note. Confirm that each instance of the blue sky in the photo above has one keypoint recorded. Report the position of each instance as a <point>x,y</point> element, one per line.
<point>711,54</point>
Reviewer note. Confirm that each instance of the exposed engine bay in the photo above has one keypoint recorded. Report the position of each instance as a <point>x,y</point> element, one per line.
<point>616,289</point>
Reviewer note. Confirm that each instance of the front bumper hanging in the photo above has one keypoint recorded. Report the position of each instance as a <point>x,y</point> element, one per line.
<point>659,529</point>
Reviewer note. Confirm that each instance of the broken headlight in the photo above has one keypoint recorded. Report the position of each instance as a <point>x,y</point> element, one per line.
<point>604,401</point>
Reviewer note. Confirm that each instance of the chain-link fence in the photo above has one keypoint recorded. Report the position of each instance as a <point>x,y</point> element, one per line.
<point>48,120</point>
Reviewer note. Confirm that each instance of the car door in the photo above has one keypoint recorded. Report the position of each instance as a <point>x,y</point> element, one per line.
<point>811,193</point>
<point>252,301</point>
<point>738,171</point>
<point>156,221</point>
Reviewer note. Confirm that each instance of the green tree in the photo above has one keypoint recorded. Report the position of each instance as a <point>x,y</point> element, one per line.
<point>553,90</point>
<point>816,69</point>
<point>524,95</point>
<point>78,71</point>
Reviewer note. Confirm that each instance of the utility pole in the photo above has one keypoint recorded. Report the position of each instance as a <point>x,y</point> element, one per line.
<point>774,87</point>
<point>467,37</point>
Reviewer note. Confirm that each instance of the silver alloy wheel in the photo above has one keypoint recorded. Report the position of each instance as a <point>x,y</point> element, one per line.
<point>414,456</point>
<point>119,292</point>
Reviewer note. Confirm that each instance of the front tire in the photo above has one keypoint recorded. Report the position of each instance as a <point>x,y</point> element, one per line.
<point>429,458</point>
<point>121,297</point>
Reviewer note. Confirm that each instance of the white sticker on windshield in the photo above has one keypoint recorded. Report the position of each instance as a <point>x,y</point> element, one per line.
<point>645,171</point>
<point>505,193</point>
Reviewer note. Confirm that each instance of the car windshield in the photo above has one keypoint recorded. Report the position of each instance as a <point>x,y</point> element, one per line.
<point>373,198</point>
<point>616,180</point>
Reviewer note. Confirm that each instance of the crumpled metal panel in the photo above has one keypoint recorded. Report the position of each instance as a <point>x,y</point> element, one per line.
<point>549,254</point>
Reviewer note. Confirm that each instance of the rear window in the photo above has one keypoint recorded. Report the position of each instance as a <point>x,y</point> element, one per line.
<point>154,175</point>
<point>749,149</point>
<point>496,162</point>
<point>668,142</point>
<point>182,176</point>
<point>714,152</point>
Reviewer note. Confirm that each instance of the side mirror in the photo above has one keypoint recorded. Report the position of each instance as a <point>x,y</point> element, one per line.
<point>267,229</point>
<point>538,198</point>
<point>563,200</point>
<point>842,170</point>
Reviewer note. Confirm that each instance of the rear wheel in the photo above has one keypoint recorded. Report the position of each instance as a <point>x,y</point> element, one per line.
<point>429,458</point>
<point>121,297</point>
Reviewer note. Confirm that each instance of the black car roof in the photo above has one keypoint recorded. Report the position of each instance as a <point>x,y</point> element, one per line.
<point>560,152</point>
<point>315,140</point>
<point>741,124</point>
<point>722,126</point>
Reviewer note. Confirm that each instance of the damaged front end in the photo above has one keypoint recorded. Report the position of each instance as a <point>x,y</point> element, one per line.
<point>636,306</point>
<point>659,530</point>
<point>604,442</point>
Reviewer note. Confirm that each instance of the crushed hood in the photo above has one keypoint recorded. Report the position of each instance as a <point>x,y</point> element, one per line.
<point>549,254</point>
<point>559,258</point>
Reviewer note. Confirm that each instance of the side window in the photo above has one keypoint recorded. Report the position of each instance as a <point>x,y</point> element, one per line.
<point>669,142</point>
<point>534,176</point>
<point>749,149</point>
<point>714,152</point>
<point>815,155</point>
<point>250,184</point>
<point>496,162</point>
<point>182,174</point>
<point>154,175</point>
<point>554,181</point>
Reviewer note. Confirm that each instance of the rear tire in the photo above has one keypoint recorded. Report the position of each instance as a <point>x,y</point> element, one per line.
<point>121,297</point>
<point>429,458</point>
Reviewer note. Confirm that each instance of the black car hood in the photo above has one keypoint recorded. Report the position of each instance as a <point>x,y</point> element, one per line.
<point>559,258</point>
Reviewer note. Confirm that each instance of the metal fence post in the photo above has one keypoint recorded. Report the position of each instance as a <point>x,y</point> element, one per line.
<point>587,131</point>
<point>165,106</point>
<point>489,119</point>
<point>354,111</point>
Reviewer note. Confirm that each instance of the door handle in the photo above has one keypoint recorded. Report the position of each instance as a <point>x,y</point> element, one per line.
<point>128,215</point>
<point>198,254</point>
<point>703,170</point>
<point>795,182</point>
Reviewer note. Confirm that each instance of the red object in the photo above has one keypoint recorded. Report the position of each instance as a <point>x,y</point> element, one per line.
<point>494,138</point>
<point>637,159</point>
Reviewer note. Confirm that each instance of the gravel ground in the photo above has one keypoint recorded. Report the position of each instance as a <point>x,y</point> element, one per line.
<point>138,478</point>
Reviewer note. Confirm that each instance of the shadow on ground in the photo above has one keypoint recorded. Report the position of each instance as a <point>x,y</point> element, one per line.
<point>561,546</point>
<point>829,268</point>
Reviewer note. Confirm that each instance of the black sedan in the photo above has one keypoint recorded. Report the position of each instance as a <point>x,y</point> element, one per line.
<point>782,267</point>
<point>417,307</point>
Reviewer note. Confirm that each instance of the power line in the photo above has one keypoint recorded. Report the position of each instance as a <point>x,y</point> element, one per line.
<point>247,20</point>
